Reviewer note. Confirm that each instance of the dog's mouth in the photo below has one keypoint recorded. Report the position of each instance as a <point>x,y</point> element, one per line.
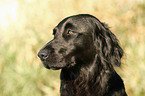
<point>49,65</point>
<point>53,68</point>
<point>57,66</point>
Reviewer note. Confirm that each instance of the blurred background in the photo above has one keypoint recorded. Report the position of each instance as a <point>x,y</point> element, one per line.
<point>26,25</point>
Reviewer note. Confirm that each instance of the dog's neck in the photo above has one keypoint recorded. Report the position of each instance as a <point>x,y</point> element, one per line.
<point>94,74</point>
<point>86,72</point>
<point>74,78</point>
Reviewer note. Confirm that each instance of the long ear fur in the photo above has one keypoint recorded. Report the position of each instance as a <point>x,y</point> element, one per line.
<point>107,44</point>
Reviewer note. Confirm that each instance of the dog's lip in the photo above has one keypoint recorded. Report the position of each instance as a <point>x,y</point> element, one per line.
<point>45,64</point>
<point>50,65</point>
<point>55,68</point>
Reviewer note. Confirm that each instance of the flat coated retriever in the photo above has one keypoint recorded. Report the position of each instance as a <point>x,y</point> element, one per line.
<point>85,50</point>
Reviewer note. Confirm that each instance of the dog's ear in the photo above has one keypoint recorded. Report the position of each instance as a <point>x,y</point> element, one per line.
<point>107,44</point>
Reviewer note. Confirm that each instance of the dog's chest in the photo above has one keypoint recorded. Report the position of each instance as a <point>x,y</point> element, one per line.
<point>73,88</point>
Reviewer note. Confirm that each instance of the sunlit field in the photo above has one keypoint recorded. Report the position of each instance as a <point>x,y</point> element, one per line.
<point>26,25</point>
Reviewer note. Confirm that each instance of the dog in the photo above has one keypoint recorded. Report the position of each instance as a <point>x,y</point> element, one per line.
<point>86,51</point>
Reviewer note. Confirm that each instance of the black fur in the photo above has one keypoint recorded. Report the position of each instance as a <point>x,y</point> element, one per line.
<point>85,50</point>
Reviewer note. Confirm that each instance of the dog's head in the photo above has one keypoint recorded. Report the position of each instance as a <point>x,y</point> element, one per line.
<point>77,40</point>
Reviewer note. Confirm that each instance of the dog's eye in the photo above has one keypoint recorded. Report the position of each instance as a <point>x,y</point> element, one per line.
<point>70,32</point>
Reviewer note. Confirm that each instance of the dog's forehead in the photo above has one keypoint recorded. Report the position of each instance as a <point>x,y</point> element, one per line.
<point>80,22</point>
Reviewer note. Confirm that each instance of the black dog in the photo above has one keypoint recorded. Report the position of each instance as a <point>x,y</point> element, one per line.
<point>86,50</point>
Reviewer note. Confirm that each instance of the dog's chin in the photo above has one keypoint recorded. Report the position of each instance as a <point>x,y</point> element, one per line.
<point>49,65</point>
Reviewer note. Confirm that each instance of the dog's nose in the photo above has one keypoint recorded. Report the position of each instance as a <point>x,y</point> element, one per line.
<point>42,55</point>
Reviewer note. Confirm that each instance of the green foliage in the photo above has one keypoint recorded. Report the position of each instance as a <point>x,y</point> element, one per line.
<point>26,25</point>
